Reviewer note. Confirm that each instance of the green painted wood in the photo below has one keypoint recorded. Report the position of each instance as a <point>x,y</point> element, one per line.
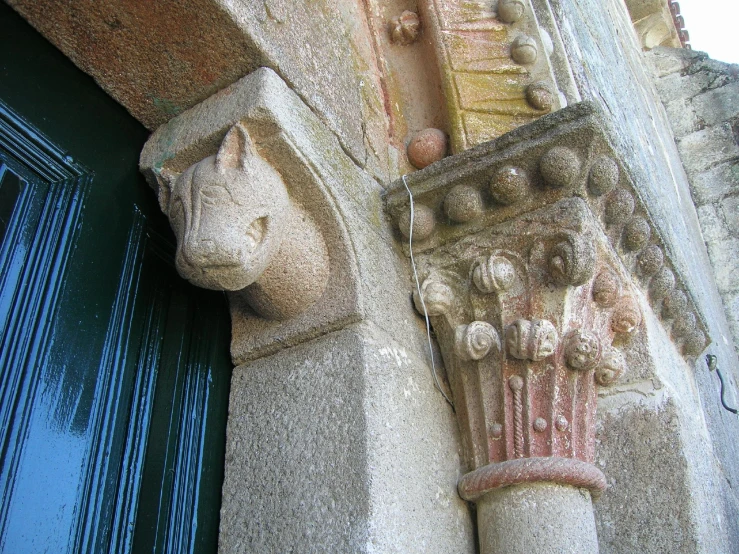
<point>114,372</point>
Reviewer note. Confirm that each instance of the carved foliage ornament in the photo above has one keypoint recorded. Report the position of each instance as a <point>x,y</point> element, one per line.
<point>532,397</point>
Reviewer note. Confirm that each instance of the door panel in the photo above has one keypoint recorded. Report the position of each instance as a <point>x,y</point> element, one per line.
<point>114,372</point>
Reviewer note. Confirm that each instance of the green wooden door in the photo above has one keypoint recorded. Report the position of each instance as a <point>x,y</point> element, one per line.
<point>114,372</point>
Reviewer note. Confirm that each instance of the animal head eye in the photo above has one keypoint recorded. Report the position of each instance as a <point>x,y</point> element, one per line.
<point>213,194</point>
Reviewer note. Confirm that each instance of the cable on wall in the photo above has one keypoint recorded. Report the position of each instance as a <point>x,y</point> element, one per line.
<point>712,362</point>
<point>420,296</point>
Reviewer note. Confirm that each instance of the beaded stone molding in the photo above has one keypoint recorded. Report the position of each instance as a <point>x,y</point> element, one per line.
<point>564,155</point>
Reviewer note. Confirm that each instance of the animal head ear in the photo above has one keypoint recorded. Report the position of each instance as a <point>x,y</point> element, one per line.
<point>165,180</point>
<point>236,149</point>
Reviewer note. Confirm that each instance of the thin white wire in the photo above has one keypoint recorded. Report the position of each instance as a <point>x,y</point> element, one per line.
<point>420,296</point>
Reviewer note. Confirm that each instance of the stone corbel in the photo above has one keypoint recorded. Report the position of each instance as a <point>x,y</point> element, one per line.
<point>654,23</point>
<point>535,255</point>
<point>247,194</point>
<point>238,230</point>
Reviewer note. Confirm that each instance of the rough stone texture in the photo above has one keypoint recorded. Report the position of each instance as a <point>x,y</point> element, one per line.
<point>237,230</point>
<point>160,58</point>
<point>544,518</point>
<point>701,97</point>
<point>647,440</point>
<point>486,61</point>
<point>341,444</point>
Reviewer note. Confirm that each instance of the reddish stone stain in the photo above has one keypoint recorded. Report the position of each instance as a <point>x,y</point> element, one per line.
<point>182,53</point>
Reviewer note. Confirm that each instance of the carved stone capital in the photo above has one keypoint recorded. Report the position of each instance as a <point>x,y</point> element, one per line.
<point>555,275</point>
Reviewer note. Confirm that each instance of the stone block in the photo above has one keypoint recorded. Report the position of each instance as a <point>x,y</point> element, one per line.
<point>666,61</point>
<point>730,212</point>
<point>712,225</point>
<point>650,504</point>
<point>161,58</point>
<point>708,147</point>
<point>724,255</point>
<point>682,117</point>
<point>731,300</point>
<point>718,105</point>
<point>715,183</point>
<point>341,444</point>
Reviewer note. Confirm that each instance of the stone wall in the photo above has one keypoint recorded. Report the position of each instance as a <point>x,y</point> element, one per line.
<point>701,97</point>
<point>675,407</point>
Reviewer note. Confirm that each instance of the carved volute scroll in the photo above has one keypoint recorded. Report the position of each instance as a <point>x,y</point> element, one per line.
<point>534,251</point>
<point>230,213</point>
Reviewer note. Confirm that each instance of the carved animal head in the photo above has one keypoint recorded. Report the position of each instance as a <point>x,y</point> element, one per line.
<point>228,213</point>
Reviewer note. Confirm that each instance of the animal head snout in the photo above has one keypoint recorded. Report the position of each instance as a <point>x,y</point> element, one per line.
<point>209,253</point>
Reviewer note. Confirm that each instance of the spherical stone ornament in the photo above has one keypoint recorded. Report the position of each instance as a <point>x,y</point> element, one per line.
<point>675,304</point>
<point>606,288</point>
<point>650,260</point>
<point>582,350</point>
<point>437,297</point>
<point>463,203</point>
<point>404,28</point>
<point>619,207</point>
<point>510,11</point>
<point>694,343</point>
<point>540,96</point>
<point>684,325</point>
<point>524,50</point>
<point>496,430</point>
<point>540,425</point>
<point>493,274</point>
<point>561,423</point>
<point>611,368</point>
<point>626,318</point>
<point>662,283</point>
<point>636,234</point>
<point>603,176</point>
<point>509,185</point>
<point>475,341</point>
<point>426,147</point>
<point>515,383</point>
<point>559,167</point>
<point>424,222</point>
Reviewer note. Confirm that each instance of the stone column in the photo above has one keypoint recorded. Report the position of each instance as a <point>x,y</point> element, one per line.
<point>545,518</point>
<point>533,252</point>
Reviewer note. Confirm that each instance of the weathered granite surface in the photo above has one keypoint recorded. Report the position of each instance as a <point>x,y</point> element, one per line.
<point>161,58</point>
<point>341,444</point>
